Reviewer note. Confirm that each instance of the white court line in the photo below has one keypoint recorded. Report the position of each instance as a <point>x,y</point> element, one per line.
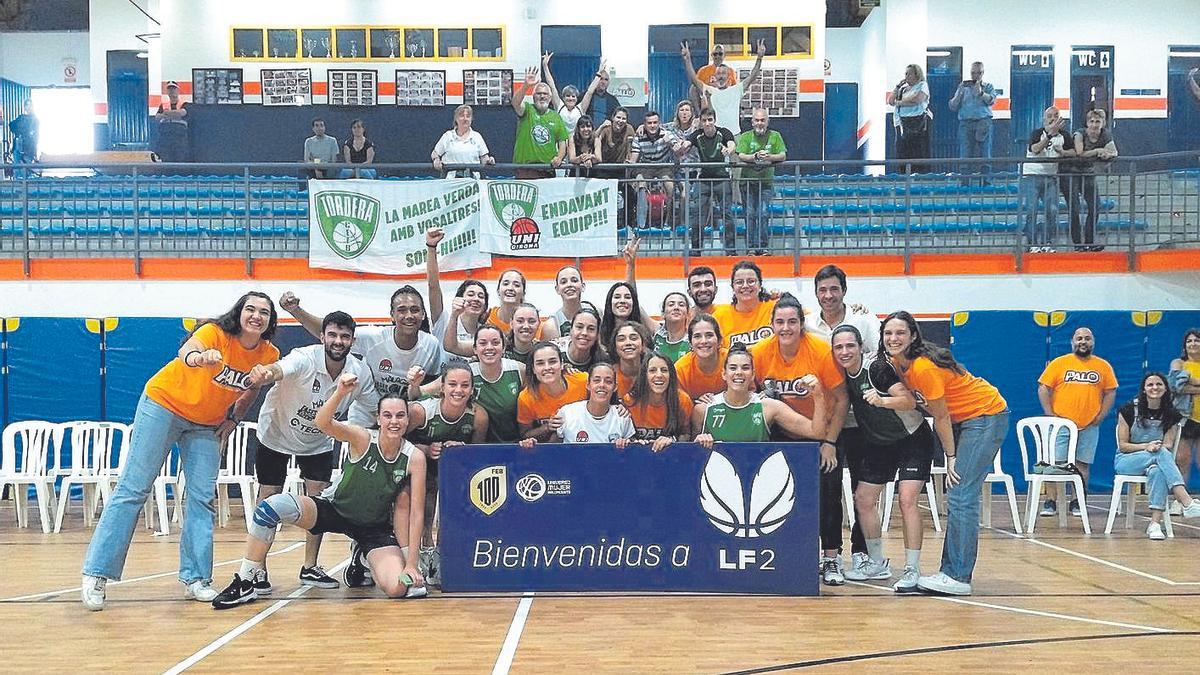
<point>1033,612</point>
<point>148,577</point>
<point>245,626</point>
<point>1102,561</point>
<point>509,650</point>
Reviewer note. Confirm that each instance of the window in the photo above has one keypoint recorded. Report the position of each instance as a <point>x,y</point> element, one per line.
<point>782,42</point>
<point>487,43</point>
<point>358,43</point>
<point>452,42</point>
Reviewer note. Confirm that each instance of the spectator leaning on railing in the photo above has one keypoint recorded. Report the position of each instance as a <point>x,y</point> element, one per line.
<point>1039,179</point>
<point>1095,145</point>
<point>461,145</point>
<point>762,148</point>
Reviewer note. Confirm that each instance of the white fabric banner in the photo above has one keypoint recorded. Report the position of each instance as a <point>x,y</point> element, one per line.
<point>553,217</point>
<point>379,226</point>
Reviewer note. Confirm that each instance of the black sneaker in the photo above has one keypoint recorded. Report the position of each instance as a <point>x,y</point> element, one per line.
<point>238,592</point>
<point>316,576</point>
<point>357,574</point>
<point>262,583</point>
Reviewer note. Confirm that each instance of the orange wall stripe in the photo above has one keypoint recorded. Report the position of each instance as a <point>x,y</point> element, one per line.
<point>454,88</point>
<point>1154,103</point>
<point>1001,104</point>
<point>101,109</point>
<point>811,86</point>
<point>862,131</point>
<point>387,88</point>
<point>320,88</point>
<point>252,88</point>
<point>1063,104</point>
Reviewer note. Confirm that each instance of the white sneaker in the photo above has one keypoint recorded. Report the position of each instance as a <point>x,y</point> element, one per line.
<point>1191,510</point>
<point>201,591</point>
<point>1155,532</point>
<point>908,581</point>
<point>92,592</point>
<point>943,584</point>
<point>869,569</point>
<point>832,573</point>
<point>1176,508</point>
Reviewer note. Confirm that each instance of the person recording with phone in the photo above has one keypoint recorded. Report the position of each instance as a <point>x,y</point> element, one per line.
<point>973,102</point>
<point>911,99</point>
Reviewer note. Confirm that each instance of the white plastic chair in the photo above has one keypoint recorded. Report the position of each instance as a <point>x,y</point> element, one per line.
<point>1114,506</point>
<point>237,471</point>
<point>998,476</point>
<point>344,452</point>
<point>1044,430</point>
<point>91,465</point>
<point>889,492</point>
<point>28,465</point>
<point>170,475</point>
<point>293,483</point>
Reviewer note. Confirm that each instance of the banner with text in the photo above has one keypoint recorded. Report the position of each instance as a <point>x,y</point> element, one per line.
<point>741,518</point>
<point>379,226</point>
<point>557,217</point>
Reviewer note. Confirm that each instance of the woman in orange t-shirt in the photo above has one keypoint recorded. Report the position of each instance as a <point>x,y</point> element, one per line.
<point>701,370</point>
<point>748,319</point>
<point>661,412</point>
<point>630,343</point>
<point>970,418</point>
<point>194,401</point>
<point>549,387</point>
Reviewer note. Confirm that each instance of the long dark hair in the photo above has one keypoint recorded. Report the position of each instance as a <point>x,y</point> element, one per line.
<point>1170,416</point>
<point>941,356</point>
<point>597,352</point>
<point>763,295</point>
<point>231,320</point>
<point>608,325</point>
<point>584,120</point>
<point>409,289</point>
<point>676,424</point>
<point>531,378</point>
<point>1183,348</point>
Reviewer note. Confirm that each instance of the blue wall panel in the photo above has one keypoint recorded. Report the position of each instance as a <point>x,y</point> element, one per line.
<point>135,348</point>
<point>1008,349</point>
<point>54,369</point>
<point>1164,342</point>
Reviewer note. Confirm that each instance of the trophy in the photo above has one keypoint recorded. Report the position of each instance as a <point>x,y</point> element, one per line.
<point>353,49</point>
<point>309,45</point>
<point>393,43</point>
<point>325,42</point>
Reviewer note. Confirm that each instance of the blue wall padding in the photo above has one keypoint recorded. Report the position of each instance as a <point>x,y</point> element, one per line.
<point>1164,342</point>
<point>134,350</point>
<point>54,370</point>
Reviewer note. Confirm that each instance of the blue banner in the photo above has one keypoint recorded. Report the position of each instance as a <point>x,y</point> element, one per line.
<point>741,518</point>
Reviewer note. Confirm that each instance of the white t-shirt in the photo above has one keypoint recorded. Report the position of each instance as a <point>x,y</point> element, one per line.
<point>580,426</point>
<point>456,149</point>
<point>389,364</point>
<point>726,103</point>
<point>866,322</point>
<point>570,117</point>
<point>439,331</point>
<point>285,421</point>
<point>918,108</point>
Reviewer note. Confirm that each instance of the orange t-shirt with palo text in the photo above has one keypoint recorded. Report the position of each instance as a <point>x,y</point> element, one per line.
<point>649,420</point>
<point>695,381</point>
<point>533,408</point>
<point>813,356</point>
<point>1077,386</point>
<point>203,395</point>
<point>746,327</point>
<point>966,396</point>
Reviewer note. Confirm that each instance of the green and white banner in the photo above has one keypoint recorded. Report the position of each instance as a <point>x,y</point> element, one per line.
<point>379,226</point>
<point>554,217</point>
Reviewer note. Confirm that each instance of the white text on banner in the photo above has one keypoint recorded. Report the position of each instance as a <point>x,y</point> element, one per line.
<point>554,217</point>
<point>379,226</point>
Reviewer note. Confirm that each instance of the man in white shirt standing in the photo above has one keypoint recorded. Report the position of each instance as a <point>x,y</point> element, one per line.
<point>1039,180</point>
<point>304,380</point>
<point>725,97</point>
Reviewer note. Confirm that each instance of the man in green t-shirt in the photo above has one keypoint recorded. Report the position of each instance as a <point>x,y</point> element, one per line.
<point>761,148</point>
<point>541,133</point>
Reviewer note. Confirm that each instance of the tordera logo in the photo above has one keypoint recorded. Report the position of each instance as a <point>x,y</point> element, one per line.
<point>772,496</point>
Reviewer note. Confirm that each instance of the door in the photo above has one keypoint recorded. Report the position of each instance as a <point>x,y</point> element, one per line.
<point>943,72</point>
<point>1091,83</point>
<point>1032,85</point>
<point>841,122</point>
<point>128,100</point>
<point>1183,108</point>
<point>666,76</point>
<point>576,55</point>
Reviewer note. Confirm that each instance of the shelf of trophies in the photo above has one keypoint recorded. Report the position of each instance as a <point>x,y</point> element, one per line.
<point>367,43</point>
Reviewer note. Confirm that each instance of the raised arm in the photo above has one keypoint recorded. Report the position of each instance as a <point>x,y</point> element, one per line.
<point>358,437</point>
<point>757,69</point>
<point>289,303</point>
<point>555,99</point>
<point>433,236</point>
<point>686,53</point>
<point>630,254</point>
<point>450,341</point>
<point>518,99</point>
<point>591,90</point>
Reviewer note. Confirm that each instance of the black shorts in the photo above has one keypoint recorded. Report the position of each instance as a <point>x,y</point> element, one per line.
<point>1191,430</point>
<point>909,459</point>
<point>270,466</point>
<point>368,537</point>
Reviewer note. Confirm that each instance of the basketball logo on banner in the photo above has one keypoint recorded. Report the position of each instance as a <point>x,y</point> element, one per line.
<point>489,489</point>
<point>348,221</point>
<point>772,496</point>
<point>513,203</point>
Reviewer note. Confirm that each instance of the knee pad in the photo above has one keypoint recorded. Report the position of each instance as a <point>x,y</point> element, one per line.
<point>272,511</point>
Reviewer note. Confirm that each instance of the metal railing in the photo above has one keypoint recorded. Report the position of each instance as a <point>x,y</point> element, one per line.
<point>254,211</point>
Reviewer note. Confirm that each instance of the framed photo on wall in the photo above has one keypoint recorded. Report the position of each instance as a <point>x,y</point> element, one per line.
<point>286,86</point>
<point>214,86</point>
<point>352,87</point>
<point>421,88</point>
<point>487,87</point>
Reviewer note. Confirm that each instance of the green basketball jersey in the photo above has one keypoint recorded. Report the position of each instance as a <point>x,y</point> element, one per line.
<point>499,399</point>
<point>438,429</point>
<point>522,359</point>
<point>367,487</point>
<point>736,425</point>
<point>671,350</point>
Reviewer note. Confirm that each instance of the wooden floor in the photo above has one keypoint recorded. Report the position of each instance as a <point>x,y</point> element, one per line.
<point>1119,602</point>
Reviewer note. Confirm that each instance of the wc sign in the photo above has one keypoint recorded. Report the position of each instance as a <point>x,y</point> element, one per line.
<point>1093,58</point>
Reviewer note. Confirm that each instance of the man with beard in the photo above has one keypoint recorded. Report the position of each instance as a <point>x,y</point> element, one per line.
<point>1080,387</point>
<point>830,284</point>
<point>305,379</point>
<point>702,289</point>
<point>541,133</point>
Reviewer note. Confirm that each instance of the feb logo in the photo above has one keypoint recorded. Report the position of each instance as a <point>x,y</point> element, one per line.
<point>348,221</point>
<point>489,489</point>
<point>772,496</point>
<point>513,204</point>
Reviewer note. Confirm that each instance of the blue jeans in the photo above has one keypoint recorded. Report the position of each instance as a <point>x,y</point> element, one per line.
<point>977,442</point>
<point>1162,475</point>
<point>155,430</point>
<point>1035,188</point>
<point>712,199</point>
<point>975,140</point>
<point>758,216</point>
<point>362,173</point>
<point>1085,444</point>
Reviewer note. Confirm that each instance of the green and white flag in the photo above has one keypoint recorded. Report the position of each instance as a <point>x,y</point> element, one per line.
<point>379,226</point>
<point>554,217</point>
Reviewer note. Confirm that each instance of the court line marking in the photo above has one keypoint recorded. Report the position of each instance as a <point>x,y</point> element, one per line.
<point>148,577</point>
<point>1033,612</point>
<point>1101,561</point>
<point>515,628</point>
<point>245,625</point>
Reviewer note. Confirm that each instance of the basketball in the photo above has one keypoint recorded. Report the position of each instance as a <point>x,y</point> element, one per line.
<point>525,226</point>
